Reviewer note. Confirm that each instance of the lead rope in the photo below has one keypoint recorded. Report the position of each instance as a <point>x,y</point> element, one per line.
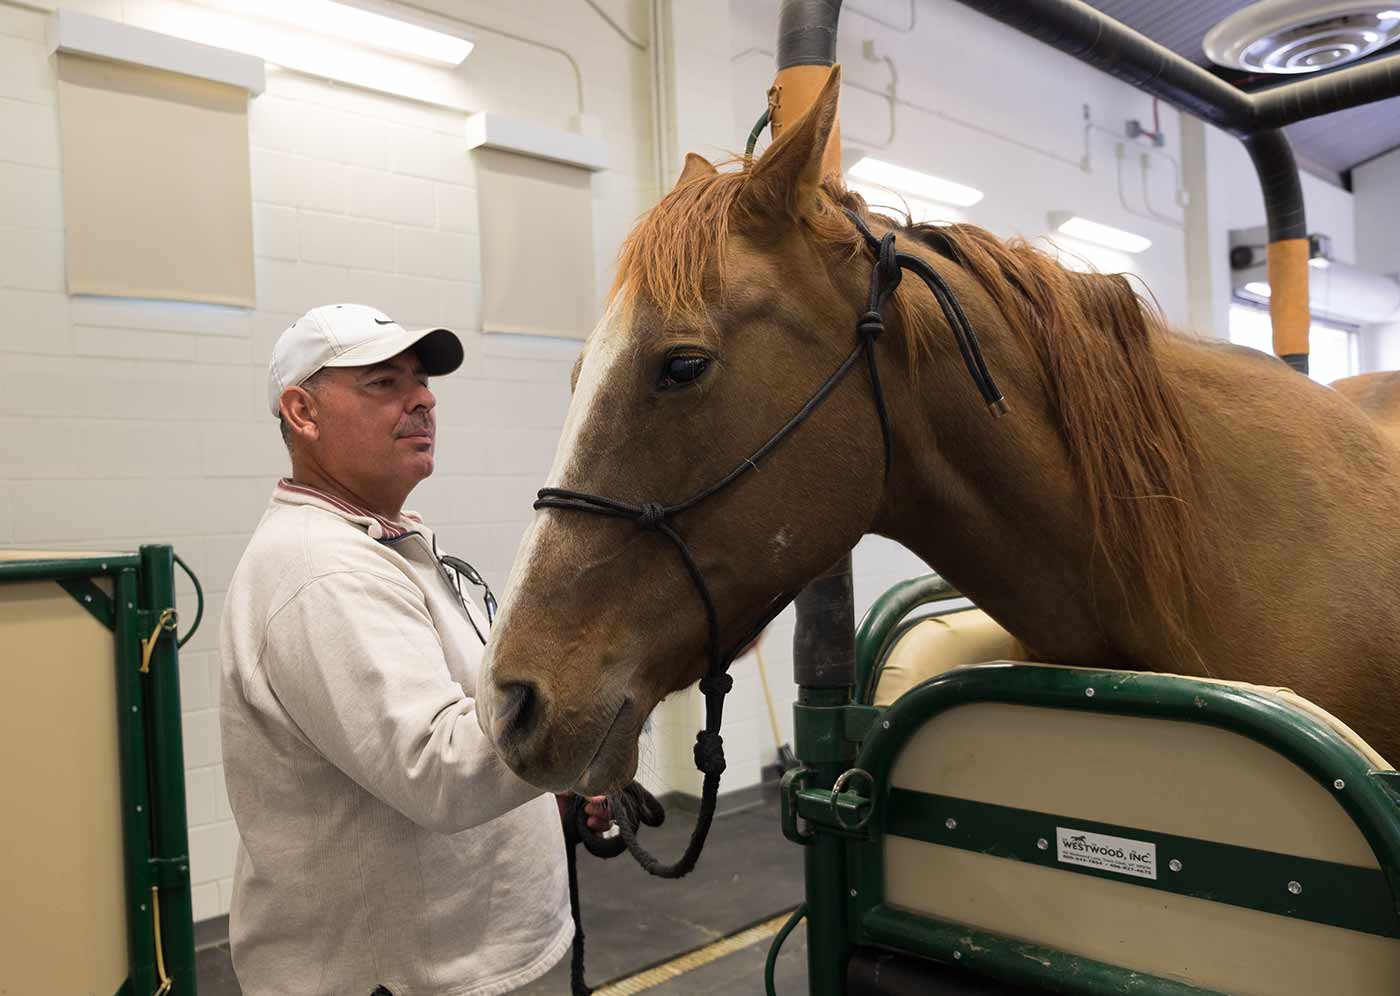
<point>709,745</point>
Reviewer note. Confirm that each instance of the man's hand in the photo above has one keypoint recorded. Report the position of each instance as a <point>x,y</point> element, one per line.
<point>596,806</point>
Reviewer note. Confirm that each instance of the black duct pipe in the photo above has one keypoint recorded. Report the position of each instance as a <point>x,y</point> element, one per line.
<point>824,642</point>
<point>807,33</point>
<point>1334,91</point>
<point>1081,31</point>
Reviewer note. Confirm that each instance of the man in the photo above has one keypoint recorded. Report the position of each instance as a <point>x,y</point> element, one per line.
<point>385,849</point>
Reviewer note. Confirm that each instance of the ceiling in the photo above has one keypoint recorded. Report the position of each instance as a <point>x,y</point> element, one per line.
<point>1334,142</point>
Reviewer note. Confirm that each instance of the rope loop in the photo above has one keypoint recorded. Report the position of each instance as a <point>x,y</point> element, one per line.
<point>712,683</point>
<point>651,515</point>
<point>709,753</point>
<point>887,264</point>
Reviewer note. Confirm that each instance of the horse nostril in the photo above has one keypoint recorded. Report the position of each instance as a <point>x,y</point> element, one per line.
<point>519,710</point>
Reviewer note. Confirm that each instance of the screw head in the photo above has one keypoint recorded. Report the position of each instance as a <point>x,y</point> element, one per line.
<point>1296,888</point>
<point>1174,865</point>
<point>950,823</point>
<point>885,725</point>
<point>88,599</point>
<point>957,955</point>
<point>1043,844</point>
<point>853,893</point>
<point>143,907</point>
<point>1339,785</point>
<point>1089,692</point>
<point>138,809</point>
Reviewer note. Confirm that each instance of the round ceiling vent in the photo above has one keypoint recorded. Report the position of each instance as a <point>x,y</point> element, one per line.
<point>1301,36</point>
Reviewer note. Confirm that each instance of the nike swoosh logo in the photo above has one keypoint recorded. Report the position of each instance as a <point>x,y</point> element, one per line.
<point>390,321</point>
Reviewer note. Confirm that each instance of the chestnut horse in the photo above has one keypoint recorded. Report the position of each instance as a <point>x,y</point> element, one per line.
<point>1151,502</point>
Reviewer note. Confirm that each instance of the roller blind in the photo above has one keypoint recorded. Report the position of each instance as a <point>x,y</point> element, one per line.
<point>537,254</point>
<point>157,198</point>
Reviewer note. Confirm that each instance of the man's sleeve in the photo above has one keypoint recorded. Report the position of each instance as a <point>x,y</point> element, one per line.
<point>356,662</point>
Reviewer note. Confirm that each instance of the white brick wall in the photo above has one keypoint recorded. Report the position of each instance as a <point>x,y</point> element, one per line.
<point>126,422</point>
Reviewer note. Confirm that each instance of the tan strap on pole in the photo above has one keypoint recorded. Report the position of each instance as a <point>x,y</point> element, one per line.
<point>795,89</point>
<point>1288,297</point>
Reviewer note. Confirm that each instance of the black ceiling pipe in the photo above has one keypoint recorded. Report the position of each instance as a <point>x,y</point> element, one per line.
<point>1094,38</point>
<point>807,33</point>
<point>1334,91</point>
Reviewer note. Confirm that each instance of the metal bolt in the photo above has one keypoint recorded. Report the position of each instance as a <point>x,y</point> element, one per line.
<point>138,809</point>
<point>143,907</point>
<point>950,823</point>
<point>133,708</point>
<point>1174,865</point>
<point>853,893</point>
<point>88,599</point>
<point>1089,692</point>
<point>957,955</point>
<point>104,567</point>
<point>1043,844</point>
<point>1339,785</point>
<point>885,725</point>
<point>1296,888</point>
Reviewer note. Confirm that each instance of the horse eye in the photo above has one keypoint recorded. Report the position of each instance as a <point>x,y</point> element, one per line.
<point>683,369</point>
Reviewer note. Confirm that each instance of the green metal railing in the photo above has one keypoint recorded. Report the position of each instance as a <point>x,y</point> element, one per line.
<point>155,842</point>
<point>839,806</point>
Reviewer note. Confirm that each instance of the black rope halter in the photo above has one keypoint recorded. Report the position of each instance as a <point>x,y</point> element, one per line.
<point>654,516</point>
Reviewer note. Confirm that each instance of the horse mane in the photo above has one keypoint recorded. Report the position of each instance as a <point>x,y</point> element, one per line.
<point>1093,339</point>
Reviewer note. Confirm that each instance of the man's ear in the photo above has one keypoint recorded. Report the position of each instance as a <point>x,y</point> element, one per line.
<point>300,413</point>
<point>785,181</point>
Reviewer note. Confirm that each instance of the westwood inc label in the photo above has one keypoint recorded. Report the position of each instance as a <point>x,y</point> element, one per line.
<point>1099,850</point>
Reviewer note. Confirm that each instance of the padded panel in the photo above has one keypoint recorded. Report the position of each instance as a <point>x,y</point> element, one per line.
<point>63,924</point>
<point>1164,775</point>
<point>1208,944</point>
<point>939,644</point>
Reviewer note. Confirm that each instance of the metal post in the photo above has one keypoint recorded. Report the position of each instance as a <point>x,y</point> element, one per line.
<point>136,808</point>
<point>824,669</point>
<point>170,833</point>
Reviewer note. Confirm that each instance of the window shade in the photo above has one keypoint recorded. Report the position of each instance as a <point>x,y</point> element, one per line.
<point>537,253</point>
<point>157,198</point>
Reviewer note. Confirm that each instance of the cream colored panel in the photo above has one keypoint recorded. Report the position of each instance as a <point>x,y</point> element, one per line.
<point>938,644</point>
<point>157,199</point>
<point>1163,775</point>
<point>537,249</point>
<point>1209,944</point>
<point>63,921</point>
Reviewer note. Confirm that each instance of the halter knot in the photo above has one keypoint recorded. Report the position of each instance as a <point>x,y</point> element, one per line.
<point>872,323</point>
<point>887,264</point>
<point>713,683</point>
<point>709,753</point>
<point>651,515</point>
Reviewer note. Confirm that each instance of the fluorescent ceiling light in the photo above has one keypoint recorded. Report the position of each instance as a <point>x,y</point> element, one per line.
<point>338,20</point>
<point>1388,15</point>
<point>1319,262</point>
<point>913,182</point>
<point>1100,235</point>
<point>1259,287</point>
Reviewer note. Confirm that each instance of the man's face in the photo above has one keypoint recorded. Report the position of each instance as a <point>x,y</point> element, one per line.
<point>377,426</point>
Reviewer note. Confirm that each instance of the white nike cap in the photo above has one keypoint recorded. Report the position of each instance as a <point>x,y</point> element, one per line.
<point>352,335</point>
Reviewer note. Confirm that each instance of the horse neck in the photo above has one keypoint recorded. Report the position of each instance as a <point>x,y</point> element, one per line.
<point>991,503</point>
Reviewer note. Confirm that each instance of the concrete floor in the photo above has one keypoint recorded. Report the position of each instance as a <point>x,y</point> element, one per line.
<point>747,873</point>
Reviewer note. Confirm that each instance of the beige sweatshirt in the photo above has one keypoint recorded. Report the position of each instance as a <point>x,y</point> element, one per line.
<point>383,842</point>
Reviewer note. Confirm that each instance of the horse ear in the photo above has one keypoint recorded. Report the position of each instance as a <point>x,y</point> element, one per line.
<point>695,167</point>
<point>786,179</point>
